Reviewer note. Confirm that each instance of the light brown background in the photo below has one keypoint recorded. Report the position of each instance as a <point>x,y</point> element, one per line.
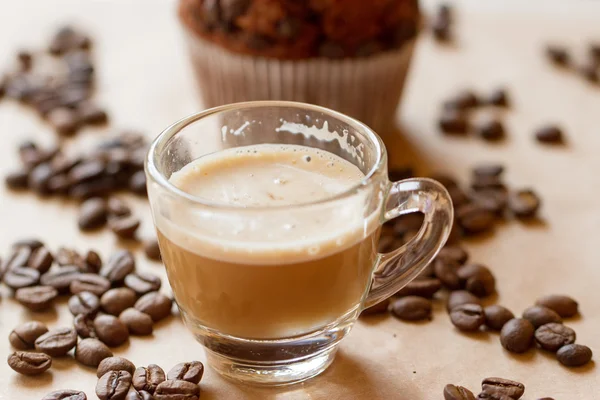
<point>145,81</point>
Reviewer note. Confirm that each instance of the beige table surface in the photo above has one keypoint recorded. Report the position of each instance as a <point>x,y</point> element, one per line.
<point>145,80</point>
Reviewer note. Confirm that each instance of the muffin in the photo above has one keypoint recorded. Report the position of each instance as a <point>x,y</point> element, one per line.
<point>348,55</point>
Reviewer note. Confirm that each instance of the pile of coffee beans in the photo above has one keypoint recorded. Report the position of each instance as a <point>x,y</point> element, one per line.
<point>491,388</point>
<point>61,94</point>
<point>441,23</point>
<point>588,68</point>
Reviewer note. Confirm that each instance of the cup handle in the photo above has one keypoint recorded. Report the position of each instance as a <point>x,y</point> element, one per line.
<point>396,269</point>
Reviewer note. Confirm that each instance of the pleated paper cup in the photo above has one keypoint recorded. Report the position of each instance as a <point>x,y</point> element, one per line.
<point>367,88</point>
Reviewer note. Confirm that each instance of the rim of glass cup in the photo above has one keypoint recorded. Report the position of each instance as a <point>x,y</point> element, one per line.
<point>172,130</point>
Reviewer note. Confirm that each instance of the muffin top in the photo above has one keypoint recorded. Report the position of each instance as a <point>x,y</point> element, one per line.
<point>298,29</point>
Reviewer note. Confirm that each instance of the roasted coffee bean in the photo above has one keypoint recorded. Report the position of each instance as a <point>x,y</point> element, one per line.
<point>492,200</point>
<point>65,394</point>
<point>148,378</point>
<point>114,364</point>
<point>421,287</point>
<point>540,315</point>
<point>137,183</point>
<point>61,278</point>
<point>445,271</point>
<point>91,283</point>
<point>92,214</point>
<point>407,223</point>
<point>118,208</point>
<point>142,282</point>
<point>564,306</point>
<point>19,258</point>
<point>25,60</point>
<point>20,277</point>
<point>98,187</point>
<point>498,97</point>
<point>155,304</point>
<point>460,297</point>
<point>524,203</point>
<point>36,298</point>
<point>549,134</point>
<point>467,317</point>
<point>458,196</point>
<point>465,99</point>
<point>488,170</point>
<point>516,335</point>
<point>379,308</point>
<point>66,257</point>
<point>574,355</point>
<point>119,265</point>
<point>116,300</point>
<point>187,371</point>
<point>477,279</point>
<point>91,351</point>
<point>177,390</point>
<point>124,227</point>
<point>92,261</point>
<point>475,219</point>
<point>39,177</point>
<point>91,114</point>
<point>496,316</point>
<point>31,243</point>
<point>84,326</point>
<point>86,171</point>
<point>84,303</point>
<point>27,363</point>
<point>141,395</point>
<point>56,342</point>
<point>17,179</point>
<point>137,322</point>
<point>453,122</point>
<point>552,336</point>
<point>558,55</point>
<point>23,337</point>
<point>113,385</point>
<point>412,308</point>
<point>589,71</point>
<point>41,260</point>
<point>63,120</point>
<point>440,27</point>
<point>110,330</point>
<point>151,249</point>
<point>500,386</point>
<point>454,253</point>
<point>452,392</point>
<point>491,130</point>
<point>482,182</point>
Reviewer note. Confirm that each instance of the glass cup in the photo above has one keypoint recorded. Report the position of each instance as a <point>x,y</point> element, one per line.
<point>268,307</point>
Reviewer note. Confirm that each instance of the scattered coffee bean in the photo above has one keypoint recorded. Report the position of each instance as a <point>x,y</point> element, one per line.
<point>549,134</point>
<point>564,306</point>
<point>491,130</point>
<point>114,364</point>
<point>36,298</point>
<point>467,317</point>
<point>496,316</point>
<point>499,386</point>
<point>61,278</point>
<point>31,243</point>
<point>151,249</point>
<point>17,179</point>
<point>113,385</point>
<point>27,363</point>
<point>137,322</point>
<point>477,279</point>
<point>445,271</point>
<point>142,282</point>
<point>19,258</point>
<point>118,299</point>
<point>56,342</point>
<point>91,283</point>
<point>92,261</point>
<point>91,352</point>
<point>84,303</point>
<point>516,335</point>
<point>124,227</point>
<point>65,394</point>
<point>155,304</point>
<point>589,71</point>
<point>41,260</point>
<point>172,390</point>
<point>482,182</point>
<point>552,336</point>
<point>452,392</point>
<point>453,122</point>
<point>65,257</point>
<point>460,297</point>
<point>492,200</point>
<point>574,355</point>
<point>440,28</point>
<point>187,371</point>
<point>475,219</point>
<point>92,214</point>
<point>119,265</point>
<point>118,208</point>
<point>540,315</point>
<point>454,253</point>
<point>498,98</point>
<point>524,203</point>
<point>464,100</point>
<point>488,170</point>
<point>110,330</point>
<point>63,120</point>
<point>558,55</point>
<point>421,287</point>
<point>89,113</point>
<point>39,177</point>
<point>148,378</point>
<point>379,308</point>
<point>412,308</point>
<point>20,277</point>
<point>23,337</point>
<point>84,326</point>
<point>137,183</point>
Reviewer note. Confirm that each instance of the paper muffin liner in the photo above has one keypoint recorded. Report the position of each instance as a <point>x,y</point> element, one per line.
<point>367,88</point>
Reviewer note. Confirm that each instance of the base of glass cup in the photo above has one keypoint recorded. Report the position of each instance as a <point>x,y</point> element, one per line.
<point>274,362</point>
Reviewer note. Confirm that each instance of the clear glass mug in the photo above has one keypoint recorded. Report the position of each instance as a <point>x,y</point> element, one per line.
<point>270,309</point>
